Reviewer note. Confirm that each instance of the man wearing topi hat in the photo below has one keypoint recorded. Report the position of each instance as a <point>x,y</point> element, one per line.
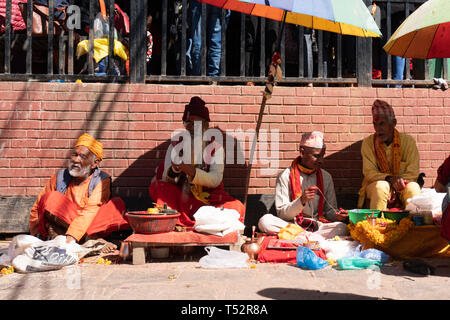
<point>301,189</point>
<point>76,201</point>
<point>390,163</point>
<point>188,185</point>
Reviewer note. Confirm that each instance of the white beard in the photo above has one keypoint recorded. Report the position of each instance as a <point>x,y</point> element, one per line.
<point>83,172</point>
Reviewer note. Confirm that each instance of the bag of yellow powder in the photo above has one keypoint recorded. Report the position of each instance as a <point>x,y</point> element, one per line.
<point>290,232</point>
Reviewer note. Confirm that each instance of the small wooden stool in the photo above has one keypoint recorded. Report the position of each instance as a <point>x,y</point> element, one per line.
<point>138,243</point>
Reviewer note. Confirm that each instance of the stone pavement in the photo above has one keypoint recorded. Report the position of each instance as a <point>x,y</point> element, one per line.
<point>177,279</point>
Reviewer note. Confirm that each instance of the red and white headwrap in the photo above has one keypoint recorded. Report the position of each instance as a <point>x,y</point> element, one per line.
<point>313,140</point>
<point>380,109</point>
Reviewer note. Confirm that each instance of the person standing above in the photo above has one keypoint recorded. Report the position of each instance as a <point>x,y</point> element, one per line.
<point>213,39</point>
<point>390,162</point>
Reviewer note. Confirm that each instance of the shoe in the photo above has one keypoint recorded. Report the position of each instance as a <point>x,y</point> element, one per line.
<point>419,267</point>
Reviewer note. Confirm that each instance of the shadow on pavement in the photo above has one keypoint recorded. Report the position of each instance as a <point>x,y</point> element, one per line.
<point>301,294</point>
<point>441,269</point>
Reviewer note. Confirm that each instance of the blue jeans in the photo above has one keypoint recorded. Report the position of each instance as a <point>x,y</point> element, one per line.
<point>213,39</point>
<point>399,69</point>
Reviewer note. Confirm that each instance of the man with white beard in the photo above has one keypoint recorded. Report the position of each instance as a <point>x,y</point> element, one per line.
<point>76,201</point>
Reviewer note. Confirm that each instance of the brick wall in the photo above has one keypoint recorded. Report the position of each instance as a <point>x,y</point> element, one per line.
<point>39,122</point>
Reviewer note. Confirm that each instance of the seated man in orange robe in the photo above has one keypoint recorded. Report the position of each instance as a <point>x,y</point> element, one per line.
<point>186,186</point>
<point>76,200</point>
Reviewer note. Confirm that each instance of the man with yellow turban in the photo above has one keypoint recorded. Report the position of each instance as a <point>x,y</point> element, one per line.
<point>390,162</point>
<point>76,200</point>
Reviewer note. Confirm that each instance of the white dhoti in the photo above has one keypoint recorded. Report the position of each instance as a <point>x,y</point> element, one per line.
<point>271,224</point>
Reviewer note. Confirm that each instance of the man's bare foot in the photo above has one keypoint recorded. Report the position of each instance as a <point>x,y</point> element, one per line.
<point>109,247</point>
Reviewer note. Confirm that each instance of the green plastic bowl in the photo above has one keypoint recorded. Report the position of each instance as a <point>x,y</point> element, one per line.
<point>396,215</point>
<point>357,215</point>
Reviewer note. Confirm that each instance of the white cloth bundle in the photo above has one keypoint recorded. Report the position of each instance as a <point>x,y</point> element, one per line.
<point>217,221</point>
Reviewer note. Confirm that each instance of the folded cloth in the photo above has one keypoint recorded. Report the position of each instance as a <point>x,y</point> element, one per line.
<point>212,220</point>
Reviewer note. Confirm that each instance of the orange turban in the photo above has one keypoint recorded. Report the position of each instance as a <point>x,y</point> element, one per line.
<point>96,147</point>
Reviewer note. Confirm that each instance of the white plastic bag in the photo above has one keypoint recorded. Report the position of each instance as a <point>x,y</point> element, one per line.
<point>219,258</point>
<point>338,249</point>
<point>47,255</point>
<point>427,200</point>
<point>217,221</point>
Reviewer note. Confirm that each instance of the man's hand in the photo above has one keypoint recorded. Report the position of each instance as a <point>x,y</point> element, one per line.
<point>342,214</point>
<point>397,183</point>
<point>188,169</point>
<point>308,194</point>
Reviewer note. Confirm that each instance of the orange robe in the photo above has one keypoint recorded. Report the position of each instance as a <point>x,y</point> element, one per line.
<point>96,214</point>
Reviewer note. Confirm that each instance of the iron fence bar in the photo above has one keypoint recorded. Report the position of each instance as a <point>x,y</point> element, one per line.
<point>223,43</point>
<point>388,25</point>
<point>262,61</point>
<point>70,43</point>
<point>301,53</point>
<point>407,60</point>
<point>242,61</point>
<point>203,55</point>
<point>184,14</point>
<point>91,38</point>
<point>164,37</point>
<point>282,46</point>
<point>62,52</point>
<point>238,79</point>
<point>111,38</point>
<point>50,31</point>
<point>7,61</point>
<point>338,55</point>
<point>320,54</point>
<point>133,41</point>
<point>141,40</point>
<point>29,41</point>
<point>445,68</point>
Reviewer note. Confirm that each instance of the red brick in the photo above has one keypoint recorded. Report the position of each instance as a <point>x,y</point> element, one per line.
<point>8,191</point>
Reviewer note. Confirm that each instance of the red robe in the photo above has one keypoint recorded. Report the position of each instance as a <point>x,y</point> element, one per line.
<point>186,204</point>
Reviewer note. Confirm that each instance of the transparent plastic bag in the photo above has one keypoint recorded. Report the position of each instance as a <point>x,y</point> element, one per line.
<point>219,258</point>
<point>307,259</point>
<point>101,28</point>
<point>372,254</point>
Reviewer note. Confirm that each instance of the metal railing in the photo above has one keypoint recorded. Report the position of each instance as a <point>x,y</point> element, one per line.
<point>312,57</point>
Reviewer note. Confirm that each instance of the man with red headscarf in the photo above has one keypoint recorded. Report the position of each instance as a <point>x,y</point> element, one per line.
<point>76,200</point>
<point>304,192</point>
<point>194,181</point>
<point>390,162</point>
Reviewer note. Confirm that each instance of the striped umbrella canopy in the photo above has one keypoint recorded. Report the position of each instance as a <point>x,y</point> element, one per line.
<point>425,34</point>
<point>349,17</point>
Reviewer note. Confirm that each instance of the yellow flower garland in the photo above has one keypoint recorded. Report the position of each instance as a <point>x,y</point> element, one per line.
<point>363,232</point>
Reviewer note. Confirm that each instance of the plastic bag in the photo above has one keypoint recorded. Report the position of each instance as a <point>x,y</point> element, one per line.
<point>219,258</point>
<point>427,200</point>
<point>212,220</point>
<point>101,28</point>
<point>372,254</point>
<point>354,263</point>
<point>47,255</point>
<point>338,249</point>
<point>307,259</point>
